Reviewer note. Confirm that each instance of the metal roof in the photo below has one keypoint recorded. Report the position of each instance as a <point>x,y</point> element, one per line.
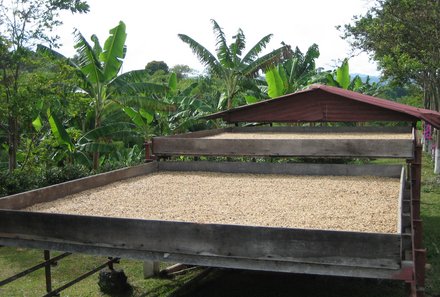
<point>321,103</point>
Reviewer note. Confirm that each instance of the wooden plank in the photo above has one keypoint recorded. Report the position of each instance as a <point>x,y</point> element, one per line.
<point>295,245</point>
<point>54,192</point>
<point>393,148</point>
<point>285,129</point>
<point>217,261</point>
<point>400,214</point>
<point>284,168</point>
<point>196,134</point>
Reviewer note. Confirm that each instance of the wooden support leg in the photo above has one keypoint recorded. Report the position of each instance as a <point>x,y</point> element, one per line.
<point>420,262</point>
<point>48,273</point>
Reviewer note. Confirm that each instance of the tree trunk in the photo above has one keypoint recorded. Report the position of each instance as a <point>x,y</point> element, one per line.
<point>96,154</point>
<point>437,153</point>
<point>12,142</point>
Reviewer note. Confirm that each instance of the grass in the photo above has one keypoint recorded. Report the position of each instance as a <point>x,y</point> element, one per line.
<point>229,282</point>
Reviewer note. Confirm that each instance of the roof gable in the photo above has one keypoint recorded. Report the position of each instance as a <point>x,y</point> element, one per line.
<point>329,104</point>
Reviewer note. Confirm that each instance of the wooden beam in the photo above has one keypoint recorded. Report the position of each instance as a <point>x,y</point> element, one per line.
<point>217,261</point>
<point>355,249</point>
<point>378,148</point>
<point>284,168</point>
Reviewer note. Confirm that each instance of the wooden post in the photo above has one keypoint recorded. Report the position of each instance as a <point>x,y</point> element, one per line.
<point>48,272</point>
<point>151,268</point>
<point>147,152</point>
<point>419,254</point>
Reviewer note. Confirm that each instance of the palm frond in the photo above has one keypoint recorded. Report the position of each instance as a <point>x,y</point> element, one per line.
<point>256,49</point>
<point>204,56</point>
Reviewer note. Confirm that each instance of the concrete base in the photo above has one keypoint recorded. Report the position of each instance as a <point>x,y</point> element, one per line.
<point>151,268</point>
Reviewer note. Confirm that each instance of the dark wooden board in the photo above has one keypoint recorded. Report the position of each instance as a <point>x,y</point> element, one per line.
<point>393,148</point>
<point>354,249</point>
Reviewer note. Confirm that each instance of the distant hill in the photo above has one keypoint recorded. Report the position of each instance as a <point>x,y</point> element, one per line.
<point>373,79</point>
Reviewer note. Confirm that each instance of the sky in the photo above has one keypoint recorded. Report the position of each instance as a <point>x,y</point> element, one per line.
<point>152,28</point>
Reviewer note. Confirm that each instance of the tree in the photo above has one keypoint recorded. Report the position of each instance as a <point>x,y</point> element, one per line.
<point>292,74</point>
<point>403,37</point>
<point>182,71</point>
<point>22,25</point>
<point>154,66</point>
<point>230,64</point>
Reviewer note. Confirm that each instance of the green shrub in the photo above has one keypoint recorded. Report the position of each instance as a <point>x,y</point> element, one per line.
<point>56,175</point>
<point>18,181</point>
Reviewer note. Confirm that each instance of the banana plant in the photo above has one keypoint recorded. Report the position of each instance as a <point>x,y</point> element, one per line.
<point>95,140</point>
<point>99,67</point>
<point>341,78</point>
<point>293,74</point>
<point>230,64</point>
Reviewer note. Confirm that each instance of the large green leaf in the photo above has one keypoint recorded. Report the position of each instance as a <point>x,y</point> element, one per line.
<point>172,83</point>
<point>113,52</point>
<point>59,132</point>
<point>139,88</point>
<point>223,53</point>
<point>144,102</point>
<point>253,53</point>
<point>343,75</point>
<point>146,115</point>
<point>239,45</point>
<point>98,147</point>
<point>134,116</point>
<point>96,46</point>
<point>37,124</point>
<point>330,80</point>
<point>139,75</point>
<point>251,99</point>
<point>266,62</point>
<point>105,131</point>
<point>275,83</point>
